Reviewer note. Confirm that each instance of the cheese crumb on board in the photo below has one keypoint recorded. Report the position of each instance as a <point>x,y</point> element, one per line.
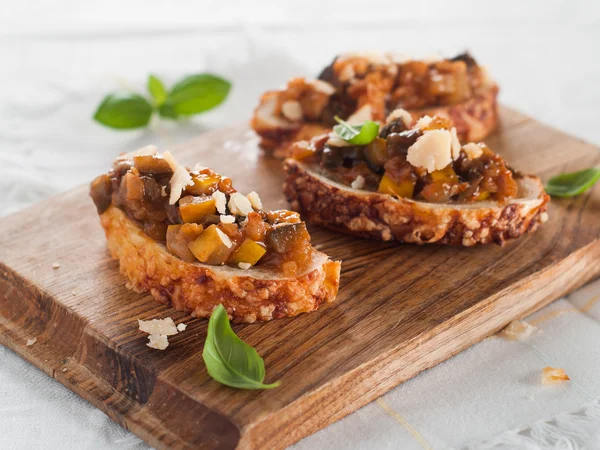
<point>30,342</point>
<point>158,341</point>
<point>158,326</point>
<point>432,151</point>
<point>518,330</point>
<point>554,375</point>
<point>55,265</point>
<point>181,327</point>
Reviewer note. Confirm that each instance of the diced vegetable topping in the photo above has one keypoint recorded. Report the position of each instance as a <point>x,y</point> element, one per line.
<point>210,223</point>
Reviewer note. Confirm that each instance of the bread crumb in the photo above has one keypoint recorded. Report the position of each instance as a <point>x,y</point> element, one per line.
<point>158,341</point>
<point>30,342</point>
<point>55,265</point>
<point>554,375</point>
<point>181,327</point>
<point>244,266</point>
<point>158,326</point>
<point>518,330</point>
<point>73,293</point>
<point>358,183</point>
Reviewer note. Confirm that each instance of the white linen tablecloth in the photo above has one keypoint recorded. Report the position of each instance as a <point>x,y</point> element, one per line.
<point>58,59</point>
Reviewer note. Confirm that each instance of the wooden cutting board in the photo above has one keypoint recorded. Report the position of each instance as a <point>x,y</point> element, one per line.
<point>400,309</point>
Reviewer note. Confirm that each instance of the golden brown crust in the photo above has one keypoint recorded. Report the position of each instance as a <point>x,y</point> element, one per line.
<point>474,120</point>
<point>381,216</point>
<point>198,288</point>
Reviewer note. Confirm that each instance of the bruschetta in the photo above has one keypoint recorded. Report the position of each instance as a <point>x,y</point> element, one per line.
<point>375,84</point>
<point>415,184</point>
<point>190,239</point>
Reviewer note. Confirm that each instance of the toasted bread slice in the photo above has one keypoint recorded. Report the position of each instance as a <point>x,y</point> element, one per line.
<point>381,216</point>
<point>457,89</point>
<point>191,240</point>
<point>196,288</point>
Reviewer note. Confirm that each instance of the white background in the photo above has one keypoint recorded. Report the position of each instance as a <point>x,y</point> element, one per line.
<point>58,58</point>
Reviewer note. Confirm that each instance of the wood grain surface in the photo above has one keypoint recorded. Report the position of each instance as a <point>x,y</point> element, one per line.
<point>400,310</point>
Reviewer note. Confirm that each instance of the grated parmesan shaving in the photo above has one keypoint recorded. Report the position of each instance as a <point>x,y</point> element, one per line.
<point>220,201</point>
<point>30,342</point>
<point>432,151</point>
<point>358,183</point>
<point>244,266</point>
<point>227,219</point>
<point>255,200</point>
<point>239,204</point>
<point>472,150</point>
<point>181,327</point>
<point>148,150</point>
<point>454,143</point>
<point>224,238</point>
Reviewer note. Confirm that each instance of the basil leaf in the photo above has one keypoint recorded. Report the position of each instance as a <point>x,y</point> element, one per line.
<point>572,184</point>
<point>228,359</point>
<point>157,90</point>
<point>123,111</point>
<point>195,94</point>
<point>356,134</point>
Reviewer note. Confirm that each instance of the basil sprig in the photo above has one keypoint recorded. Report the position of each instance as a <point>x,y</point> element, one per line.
<point>192,95</point>
<point>356,134</point>
<point>228,359</point>
<point>574,183</point>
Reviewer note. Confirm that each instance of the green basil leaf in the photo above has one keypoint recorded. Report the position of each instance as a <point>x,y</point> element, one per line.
<point>572,184</point>
<point>195,94</point>
<point>228,359</point>
<point>157,90</point>
<point>124,111</point>
<point>356,134</point>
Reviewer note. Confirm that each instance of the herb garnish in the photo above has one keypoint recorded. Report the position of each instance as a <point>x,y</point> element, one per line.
<point>574,183</point>
<point>192,95</point>
<point>356,134</point>
<point>228,359</point>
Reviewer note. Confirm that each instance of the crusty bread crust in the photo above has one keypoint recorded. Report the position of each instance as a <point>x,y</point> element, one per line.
<point>473,119</point>
<point>248,295</point>
<point>381,216</point>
